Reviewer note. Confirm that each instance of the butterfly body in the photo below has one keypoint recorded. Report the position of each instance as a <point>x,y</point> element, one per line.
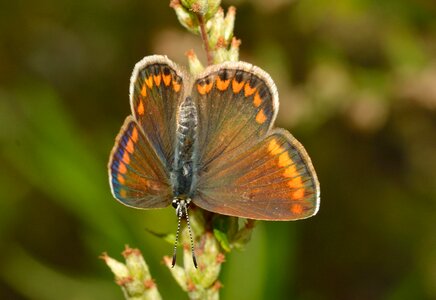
<point>184,166</point>
<point>209,139</point>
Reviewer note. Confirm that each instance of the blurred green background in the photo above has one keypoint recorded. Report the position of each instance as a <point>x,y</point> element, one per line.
<point>357,84</point>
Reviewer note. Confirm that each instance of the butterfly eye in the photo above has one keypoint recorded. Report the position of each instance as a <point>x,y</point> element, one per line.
<point>175,203</point>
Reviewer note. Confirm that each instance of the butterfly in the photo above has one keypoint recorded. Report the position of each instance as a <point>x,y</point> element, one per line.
<point>209,139</point>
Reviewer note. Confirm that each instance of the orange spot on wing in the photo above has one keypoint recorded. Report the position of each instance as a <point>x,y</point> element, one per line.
<point>222,85</point>
<point>123,193</point>
<point>201,89</point>
<point>126,158</point>
<point>134,135</point>
<point>209,86</point>
<point>295,183</point>
<point>248,90</point>
<point>122,168</point>
<point>260,117</point>
<point>140,108</point>
<point>290,172</point>
<point>144,91</point>
<point>237,86</point>
<point>149,82</point>
<point>204,88</point>
<point>284,160</point>
<point>121,179</point>
<point>176,86</point>
<point>296,209</point>
<point>130,146</point>
<point>257,101</point>
<point>157,79</point>
<point>167,79</point>
<point>298,194</point>
<point>274,147</point>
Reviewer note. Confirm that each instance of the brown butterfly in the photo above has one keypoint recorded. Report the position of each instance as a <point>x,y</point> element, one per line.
<point>210,140</point>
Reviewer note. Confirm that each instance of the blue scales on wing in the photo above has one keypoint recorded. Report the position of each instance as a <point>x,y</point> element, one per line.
<point>137,177</point>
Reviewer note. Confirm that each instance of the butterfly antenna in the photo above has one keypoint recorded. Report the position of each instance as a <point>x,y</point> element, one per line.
<point>194,260</point>
<point>180,213</point>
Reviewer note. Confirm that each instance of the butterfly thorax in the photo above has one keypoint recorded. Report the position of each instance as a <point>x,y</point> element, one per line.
<point>183,173</point>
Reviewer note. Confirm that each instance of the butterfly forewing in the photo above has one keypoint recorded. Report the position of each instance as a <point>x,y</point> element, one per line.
<point>156,91</point>
<point>235,108</point>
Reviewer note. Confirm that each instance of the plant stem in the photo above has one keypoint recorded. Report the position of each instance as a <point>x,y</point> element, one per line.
<point>205,39</point>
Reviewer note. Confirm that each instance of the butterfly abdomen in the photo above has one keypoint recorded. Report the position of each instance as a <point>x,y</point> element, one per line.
<point>184,164</point>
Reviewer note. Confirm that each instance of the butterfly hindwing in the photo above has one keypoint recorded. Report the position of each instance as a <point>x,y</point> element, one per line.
<point>273,180</point>
<point>237,104</point>
<point>136,175</point>
<point>156,91</point>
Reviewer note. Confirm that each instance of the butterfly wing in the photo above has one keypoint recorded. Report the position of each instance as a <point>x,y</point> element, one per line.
<point>236,106</point>
<point>273,180</point>
<point>246,169</point>
<point>144,149</point>
<point>136,174</point>
<point>156,91</point>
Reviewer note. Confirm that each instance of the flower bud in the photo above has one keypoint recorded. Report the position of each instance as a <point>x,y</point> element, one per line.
<point>234,50</point>
<point>119,269</point>
<point>188,19</point>
<point>135,263</point>
<point>217,28</point>
<point>213,8</point>
<point>229,24</point>
<point>196,6</point>
<point>195,67</point>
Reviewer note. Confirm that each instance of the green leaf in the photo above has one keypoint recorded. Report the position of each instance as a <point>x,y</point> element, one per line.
<point>168,237</point>
<point>222,239</point>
